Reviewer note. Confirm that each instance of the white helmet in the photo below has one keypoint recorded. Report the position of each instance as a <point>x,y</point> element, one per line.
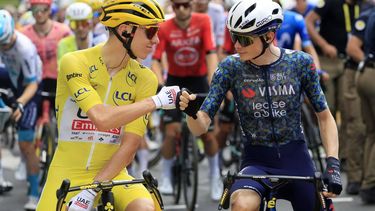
<point>254,17</point>
<point>6,27</point>
<point>78,11</point>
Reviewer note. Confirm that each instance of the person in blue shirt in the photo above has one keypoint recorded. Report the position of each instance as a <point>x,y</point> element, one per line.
<point>267,83</point>
<point>303,7</point>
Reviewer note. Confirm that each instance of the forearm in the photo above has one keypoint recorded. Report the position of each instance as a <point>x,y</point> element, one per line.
<point>310,25</point>
<point>121,159</point>
<point>329,134</point>
<point>200,125</point>
<point>353,49</point>
<point>28,93</point>
<point>106,117</point>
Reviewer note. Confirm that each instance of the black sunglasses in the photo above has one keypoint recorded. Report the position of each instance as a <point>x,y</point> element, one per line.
<point>177,6</point>
<point>243,40</point>
<point>150,31</point>
<point>37,9</point>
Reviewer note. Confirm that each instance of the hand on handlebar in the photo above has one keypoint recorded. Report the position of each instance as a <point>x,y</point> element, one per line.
<point>84,201</point>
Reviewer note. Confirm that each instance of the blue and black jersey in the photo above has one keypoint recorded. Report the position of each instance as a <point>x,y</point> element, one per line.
<point>268,98</point>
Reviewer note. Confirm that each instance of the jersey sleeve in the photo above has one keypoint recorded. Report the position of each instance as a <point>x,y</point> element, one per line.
<point>74,73</point>
<point>31,65</point>
<point>219,86</point>
<point>302,30</point>
<point>310,84</point>
<point>146,87</point>
<point>160,47</point>
<point>208,36</point>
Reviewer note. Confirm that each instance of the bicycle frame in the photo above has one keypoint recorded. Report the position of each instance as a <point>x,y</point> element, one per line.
<point>107,196</point>
<point>277,181</point>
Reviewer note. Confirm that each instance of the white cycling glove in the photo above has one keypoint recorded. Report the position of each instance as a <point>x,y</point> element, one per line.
<point>166,98</point>
<point>84,201</point>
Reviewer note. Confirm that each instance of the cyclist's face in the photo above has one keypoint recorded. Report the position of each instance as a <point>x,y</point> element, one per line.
<point>182,9</point>
<point>144,39</point>
<point>40,12</point>
<point>81,28</point>
<point>248,50</point>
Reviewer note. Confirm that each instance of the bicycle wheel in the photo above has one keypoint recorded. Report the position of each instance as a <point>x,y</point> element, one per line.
<point>176,180</point>
<point>154,144</point>
<point>189,169</point>
<point>47,150</point>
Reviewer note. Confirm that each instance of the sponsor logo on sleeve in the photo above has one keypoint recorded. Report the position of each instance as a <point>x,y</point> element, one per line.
<point>73,75</point>
<point>81,94</point>
<point>93,71</point>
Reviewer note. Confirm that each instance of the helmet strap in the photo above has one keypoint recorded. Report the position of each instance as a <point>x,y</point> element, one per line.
<point>265,46</point>
<point>126,42</point>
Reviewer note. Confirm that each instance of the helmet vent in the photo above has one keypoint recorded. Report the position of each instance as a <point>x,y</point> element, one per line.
<point>250,24</point>
<point>239,21</point>
<point>250,9</point>
<point>275,11</point>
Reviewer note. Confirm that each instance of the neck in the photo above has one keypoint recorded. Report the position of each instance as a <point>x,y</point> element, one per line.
<point>183,24</point>
<point>271,55</point>
<point>114,55</point>
<point>82,43</point>
<point>43,28</point>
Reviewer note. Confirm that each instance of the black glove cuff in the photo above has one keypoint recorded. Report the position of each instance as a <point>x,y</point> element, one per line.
<point>333,162</point>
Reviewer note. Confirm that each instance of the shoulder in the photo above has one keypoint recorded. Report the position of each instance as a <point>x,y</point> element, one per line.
<point>61,29</point>
<point>141,75</point>
<point>27,29</point>
<point>26,46</point>
<point>200,17</point>
<point>230,63</point>
<point>298,56</point>
<point>67,40</point>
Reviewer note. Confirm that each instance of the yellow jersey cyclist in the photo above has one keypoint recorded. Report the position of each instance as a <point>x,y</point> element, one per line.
<point>80,19</point>
<point>102,101</point>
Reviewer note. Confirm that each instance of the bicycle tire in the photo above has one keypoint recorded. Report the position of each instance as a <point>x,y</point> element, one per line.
<point>190,169</point>
<point>155,152</point>
<point>46,152</point>
<point>176,180</point>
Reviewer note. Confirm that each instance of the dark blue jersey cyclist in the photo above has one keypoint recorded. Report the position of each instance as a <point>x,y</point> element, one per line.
<point>267,83</point>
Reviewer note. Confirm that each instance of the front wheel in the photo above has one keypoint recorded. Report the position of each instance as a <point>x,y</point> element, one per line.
<point>190,170</point>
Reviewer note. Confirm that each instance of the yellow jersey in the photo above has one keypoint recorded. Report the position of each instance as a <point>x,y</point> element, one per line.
<point>83,81</point>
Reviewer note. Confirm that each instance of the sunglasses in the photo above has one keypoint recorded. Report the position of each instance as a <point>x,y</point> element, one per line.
<point>150,31</point>
<point>81,23</point>
<point>185,5</point>
<point>243,40</point>
<point>37,9</point>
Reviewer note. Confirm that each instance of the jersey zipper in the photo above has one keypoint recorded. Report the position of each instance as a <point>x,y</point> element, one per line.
<point>269,100</point>
<point>94,142</point>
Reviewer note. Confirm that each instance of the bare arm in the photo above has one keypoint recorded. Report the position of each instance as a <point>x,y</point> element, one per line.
<point>106,117</point>
<point>156,66</point>
<point>212,61</point>
<point>328,131</point>
<point>310,20</point>
<point>28,93</point>
<point>122,158</point>
<point>353,48</point>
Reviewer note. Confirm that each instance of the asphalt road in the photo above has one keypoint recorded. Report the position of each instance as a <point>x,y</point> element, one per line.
<point>15,200</point>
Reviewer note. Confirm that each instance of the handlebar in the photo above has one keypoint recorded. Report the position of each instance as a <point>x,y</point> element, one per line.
<point>276,182</point>
<point>148,181</point>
